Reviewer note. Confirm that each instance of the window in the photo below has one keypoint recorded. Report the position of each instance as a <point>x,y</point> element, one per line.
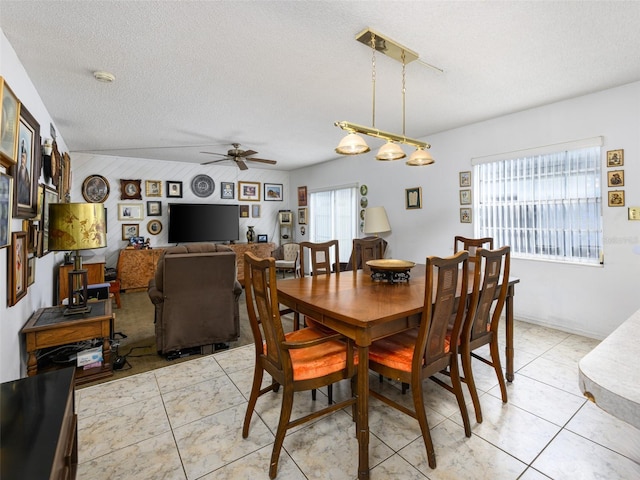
<point>333,215</point>
<point>545,206</point>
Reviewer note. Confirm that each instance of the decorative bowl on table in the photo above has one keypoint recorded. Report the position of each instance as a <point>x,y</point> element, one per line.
<point>390,270</point>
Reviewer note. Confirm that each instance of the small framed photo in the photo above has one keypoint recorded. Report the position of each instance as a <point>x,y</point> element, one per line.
<point>465,197</point>
<point>130,230</point>
<point>285,218</point>
<point>615,178</point>
<point>227,190</point>
<point>17,266</point>
<point>6,197</point>
<point>465,215</point>
<point>302,216</point>
<point>262,238</point>
<point>154,227</point>
<point>465,179</point>
<point>130,190</point>
<point>154,208</point>
<point>174,189</point>
<point>413,198</point>
<point>255,211</point>
<point>31,271</point>
<point>616,198</point>
<point>615,158</point>
<point>302,196</point>
<point>244,211</point>
<point>153,188</point>
<point>273,192</point>
<point>130,211</point>
<point>249,191</point>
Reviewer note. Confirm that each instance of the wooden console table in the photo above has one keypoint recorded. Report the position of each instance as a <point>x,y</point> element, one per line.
<point>39,427</point>
<point>49,327</point>
<point>137,266</point>
<point>95,273</point>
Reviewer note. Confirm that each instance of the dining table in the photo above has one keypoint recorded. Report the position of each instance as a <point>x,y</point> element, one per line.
<point>364,310</point>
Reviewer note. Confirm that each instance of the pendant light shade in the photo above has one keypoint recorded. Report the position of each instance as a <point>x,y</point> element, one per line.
<point>352,144</point>
<point>390,151</point>
<point>420,157</point>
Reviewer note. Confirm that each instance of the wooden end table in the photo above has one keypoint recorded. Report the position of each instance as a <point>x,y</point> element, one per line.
<point>49,327</point>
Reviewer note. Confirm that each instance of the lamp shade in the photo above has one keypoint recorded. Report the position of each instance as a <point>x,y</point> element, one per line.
<point>376,220</point>
<point>420,157</point>
<point>77,226</point>
<point>390,151</point>
<point>352,144</point>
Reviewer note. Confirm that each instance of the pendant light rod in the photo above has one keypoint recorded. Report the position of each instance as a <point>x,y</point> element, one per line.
<point>374,132</point>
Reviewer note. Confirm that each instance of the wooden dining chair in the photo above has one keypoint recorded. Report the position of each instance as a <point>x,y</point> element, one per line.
<point>320,258</point>
<point>304,359</point>
<point>490,285</point>
<point>471,245</point>
<point>421,352</point>
<point>365,249</point>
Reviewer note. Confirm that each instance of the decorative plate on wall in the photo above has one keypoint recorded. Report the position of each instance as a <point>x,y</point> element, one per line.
<point>95,189</point>
<point>203,185</point>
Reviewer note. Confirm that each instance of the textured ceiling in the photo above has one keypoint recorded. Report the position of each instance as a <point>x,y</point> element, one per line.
<point>275,75</point>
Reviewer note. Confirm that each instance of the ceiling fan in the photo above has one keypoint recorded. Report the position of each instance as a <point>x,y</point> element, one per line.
<point>239,156</point>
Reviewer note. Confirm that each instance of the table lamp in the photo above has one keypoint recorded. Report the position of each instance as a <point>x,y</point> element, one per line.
<point>376,220</point>
<point>77,226</point>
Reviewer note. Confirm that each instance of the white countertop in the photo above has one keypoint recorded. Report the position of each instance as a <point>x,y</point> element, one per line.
<point>610,373</point>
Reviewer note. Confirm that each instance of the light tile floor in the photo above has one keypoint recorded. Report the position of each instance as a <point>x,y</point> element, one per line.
<point>184,422</point>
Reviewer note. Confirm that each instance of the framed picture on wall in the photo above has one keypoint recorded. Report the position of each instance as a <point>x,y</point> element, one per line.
<point>465,197</point>
<point>615,178</point>
<point>244,211</point>
<point>27,170</point>
<point>465,179</point>
<point>465,215</point>
<point>302,196</point>
<point>130,190</point>
<point>174,189</point>
<point>616,198</point>
<point>130,230</point>
<point>6,197</point>
<point>615,158</point>
<point>255,211</point>
<point>17,268</point>
<point>153,188</point>
<point>8,124</point>
<point>273,192</point>
<point>130,211</point>
<point>154,208</point>
<point>249,191</point>
<point>302,216</point>
<point>413,198</point>
<point>227,190</point>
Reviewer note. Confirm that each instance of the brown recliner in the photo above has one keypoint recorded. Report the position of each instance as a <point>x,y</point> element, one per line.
<point>195,292</point>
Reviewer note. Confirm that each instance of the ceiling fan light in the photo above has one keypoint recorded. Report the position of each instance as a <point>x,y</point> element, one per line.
<point>352,144</point>
<point>420,158</point>
<point>390,151</point>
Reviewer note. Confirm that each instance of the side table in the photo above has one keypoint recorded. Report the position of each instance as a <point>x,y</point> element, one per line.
<point>49,327</point>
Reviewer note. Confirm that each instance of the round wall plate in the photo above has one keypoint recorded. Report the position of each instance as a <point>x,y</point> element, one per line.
<point>203,185</point>
<point>95,189</point>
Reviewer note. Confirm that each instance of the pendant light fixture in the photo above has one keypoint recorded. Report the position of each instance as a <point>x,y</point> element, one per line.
<point>354,144</point>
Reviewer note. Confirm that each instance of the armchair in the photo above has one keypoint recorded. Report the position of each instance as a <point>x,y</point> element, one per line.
<point>195,293</point>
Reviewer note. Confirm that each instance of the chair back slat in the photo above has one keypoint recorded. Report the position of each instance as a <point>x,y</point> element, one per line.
<point>472,245</point>
<point>262,307</point>
<point>442,278</point>
<point>489,293</point>
<point>365,250</point>
<point>320,258</point>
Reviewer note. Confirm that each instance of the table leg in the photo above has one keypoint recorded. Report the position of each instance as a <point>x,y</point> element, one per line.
<point>509,350</point>
<point>32,364</point>
<point>362,424</point>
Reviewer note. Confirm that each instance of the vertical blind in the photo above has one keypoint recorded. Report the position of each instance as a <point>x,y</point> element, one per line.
<point>544,206</point>
<point>333,215</point>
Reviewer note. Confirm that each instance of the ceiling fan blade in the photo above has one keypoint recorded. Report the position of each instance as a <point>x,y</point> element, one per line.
<point>246,153</point>
<point>262,160</point>
<point>215,161</point>
<point>214,153</point>
<point>241,164</point>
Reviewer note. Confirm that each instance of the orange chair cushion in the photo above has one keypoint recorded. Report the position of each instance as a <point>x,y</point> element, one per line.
<point>318,361</point>
<point>397,350</point>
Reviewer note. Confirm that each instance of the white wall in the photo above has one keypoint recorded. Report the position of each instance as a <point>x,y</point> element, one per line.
<point>40,294</point>
<point>582,299</point>
<point>116,168</point>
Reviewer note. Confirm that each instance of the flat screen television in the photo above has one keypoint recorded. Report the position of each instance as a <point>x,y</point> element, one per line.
<point>203,222</point>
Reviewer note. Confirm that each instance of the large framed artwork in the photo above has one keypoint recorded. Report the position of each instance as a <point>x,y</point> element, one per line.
<point>6,197</point>
<point>8,124</point>
<point>27,171</point>
<point>249,191</point>
<point>17,268</point>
